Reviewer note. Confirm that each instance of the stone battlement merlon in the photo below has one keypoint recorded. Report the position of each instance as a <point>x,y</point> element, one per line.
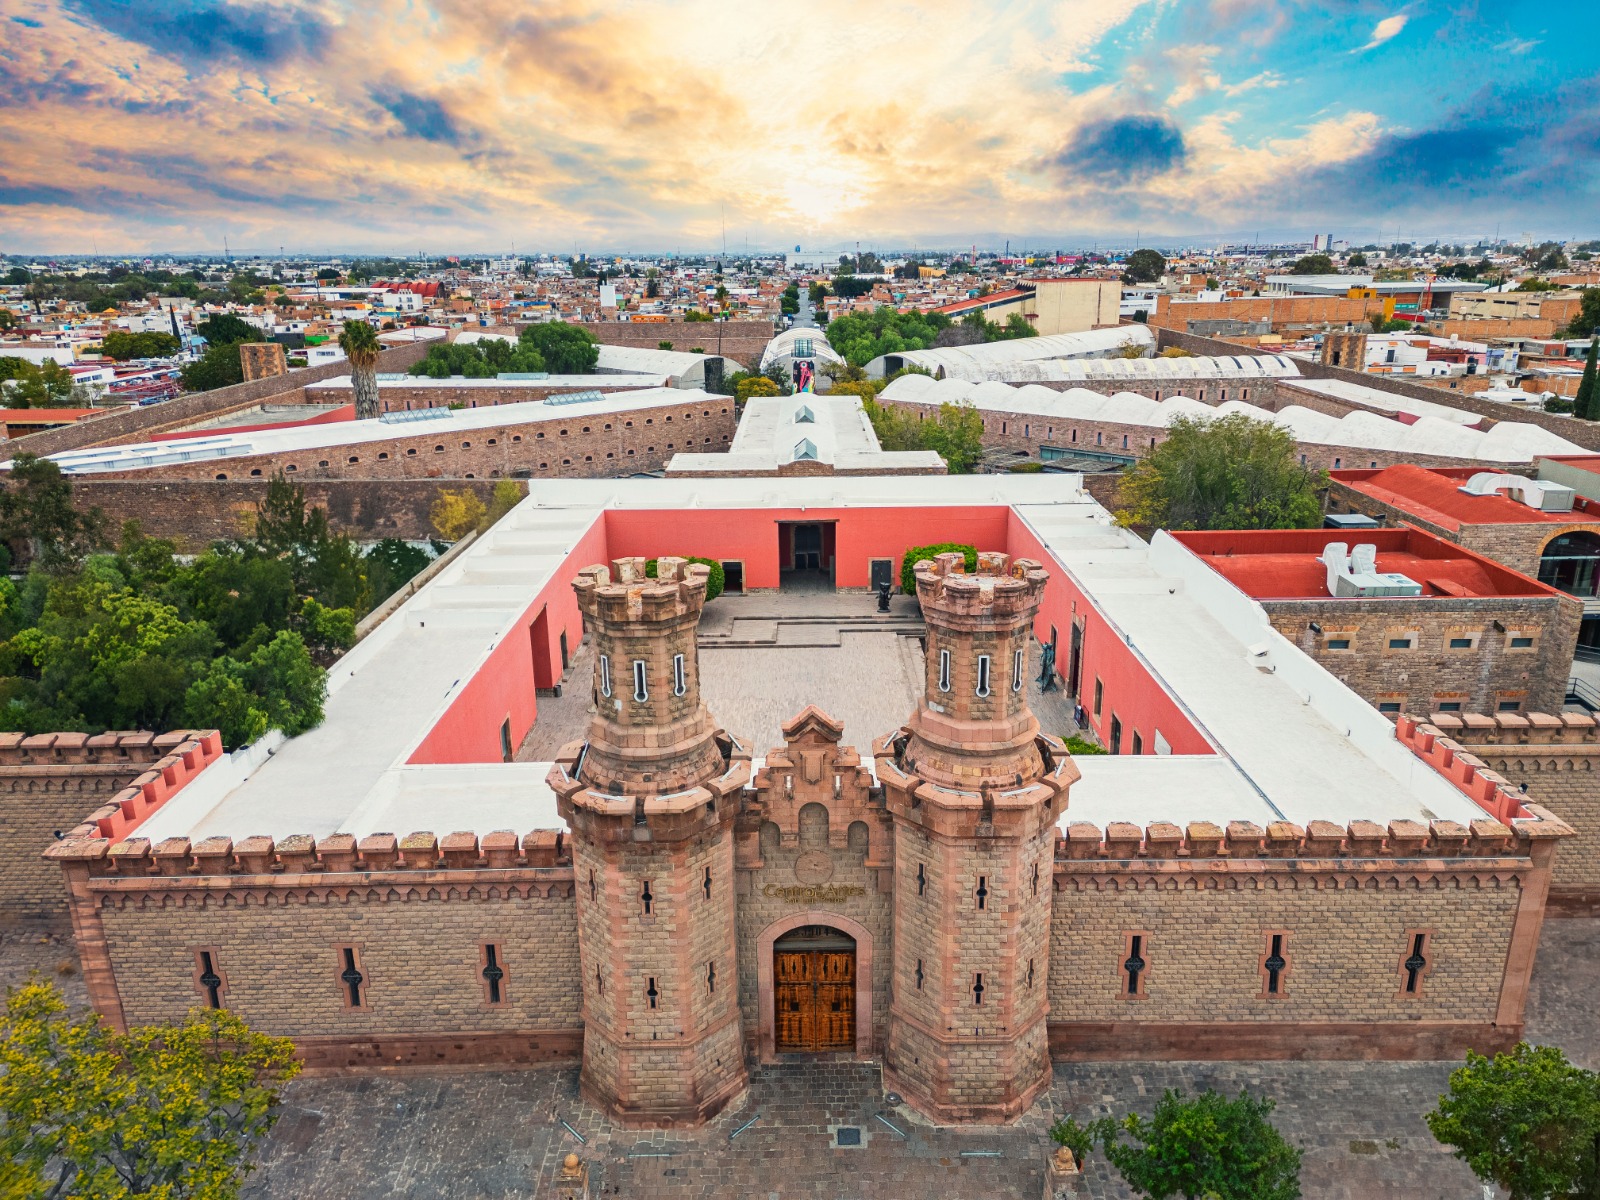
<point>186,754</point>
<point>62,749</point>
<point>623,594</point>
<point>1401,839</point>
<point>1000,588</point>
<point>300,854</point>
<point>1490,790</point>
<point>1515,729</point>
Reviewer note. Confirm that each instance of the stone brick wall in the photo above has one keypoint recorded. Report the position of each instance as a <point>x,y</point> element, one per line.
<point>139,424</point>
<point>195,513</point>
<point>1280,311</point>
<point>1348,903</point>
<point>48,784</point>
<point>1429,672</point>
<point>607,446</point>
<point>1556,756</point>
<point>262,360</point>
<point>403,397</point>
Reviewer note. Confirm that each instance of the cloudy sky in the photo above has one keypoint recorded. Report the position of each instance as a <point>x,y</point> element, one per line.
<point>653,124</point>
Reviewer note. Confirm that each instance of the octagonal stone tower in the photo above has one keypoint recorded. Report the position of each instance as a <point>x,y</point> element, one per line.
<point>651,798</point>
<point>975,791</point>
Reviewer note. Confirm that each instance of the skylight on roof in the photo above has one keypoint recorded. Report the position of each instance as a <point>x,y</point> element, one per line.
<point>804,416</point>
<point>804,450</point>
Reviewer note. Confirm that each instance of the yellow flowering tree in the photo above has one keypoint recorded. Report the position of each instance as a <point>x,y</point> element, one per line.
<point>171,1112</point>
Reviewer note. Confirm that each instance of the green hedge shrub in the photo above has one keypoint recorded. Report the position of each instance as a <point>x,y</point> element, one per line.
<point>1078,745</point>
<point>714,583</point>
<point>908,576</point>
<point>1025,468</point>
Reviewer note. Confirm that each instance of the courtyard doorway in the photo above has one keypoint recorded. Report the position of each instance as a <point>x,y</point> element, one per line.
<point>806,555</point>
<point>814,991</point>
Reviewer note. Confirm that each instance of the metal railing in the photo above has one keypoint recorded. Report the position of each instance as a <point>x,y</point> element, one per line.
<point>1586,694</point>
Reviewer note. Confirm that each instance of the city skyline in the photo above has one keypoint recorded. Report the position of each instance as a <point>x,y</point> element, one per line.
<point>621,126</point>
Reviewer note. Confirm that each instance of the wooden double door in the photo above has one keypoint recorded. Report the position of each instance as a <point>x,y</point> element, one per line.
<point>814,978</point>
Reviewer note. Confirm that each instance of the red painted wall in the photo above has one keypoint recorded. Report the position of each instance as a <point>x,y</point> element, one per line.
<point>469,731</point>
<point>1130,691</point>
<point>752,535</point>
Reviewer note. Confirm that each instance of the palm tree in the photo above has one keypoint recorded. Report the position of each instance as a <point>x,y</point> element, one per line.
<point>361,346</point>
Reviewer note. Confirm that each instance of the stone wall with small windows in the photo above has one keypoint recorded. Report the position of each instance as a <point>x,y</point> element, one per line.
<point>1440,653</point>
<point>601,446</point>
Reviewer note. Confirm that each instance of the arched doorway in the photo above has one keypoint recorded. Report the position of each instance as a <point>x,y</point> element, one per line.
<point>835,927</point>
<point>814,991</point>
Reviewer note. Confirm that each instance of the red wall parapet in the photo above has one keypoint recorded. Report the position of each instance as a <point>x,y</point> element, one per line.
<point>1516,729</point>
<point>1487,789</point>
<point>183,754</point>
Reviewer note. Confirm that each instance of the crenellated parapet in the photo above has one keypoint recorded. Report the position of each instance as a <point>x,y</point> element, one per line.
<point>1490,790</point>
<point>622,594</point>
<point>1515,729</point>
<point>1199,841</point>
<point>340,853</point>
<point>183,755</point>
<point>1002,590</point>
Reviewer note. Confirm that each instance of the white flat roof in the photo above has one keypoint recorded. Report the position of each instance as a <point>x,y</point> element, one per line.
<point>419,423</point>
<point>1293,741</point>
<point>1059,370</point>
<point>576,383</point>
<point>775,430</point>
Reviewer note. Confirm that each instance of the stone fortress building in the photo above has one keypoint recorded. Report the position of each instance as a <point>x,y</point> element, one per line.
<point>1265,866</point>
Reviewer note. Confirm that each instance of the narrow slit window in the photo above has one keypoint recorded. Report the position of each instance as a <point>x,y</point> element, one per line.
<point>1274,967</point>
<point>594,887</point>
<point>711,978</point>
<point>1134,966</point>
<point>493,974</point>
<point>680,682</point>
<point>1030,974</point>
<point>982,893</point>
<point>605,675</point>
<point>352,978</point>
<point>919,975</point>
<point>922,880</point>
<point>208,980</point>
<point>977,988</point>
<point>599,983</point>
<point>1414,968</point>
<point>1016,671</point>
<point>705,883</point>
<point>1035,879</point>
<point>651,993</point>
<point>944,670</point>
<point>983,675</point>
<point>647,898</point>
<point>641,692</point>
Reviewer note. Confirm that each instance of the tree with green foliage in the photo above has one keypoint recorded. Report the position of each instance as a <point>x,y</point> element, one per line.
<point>169,1111</point>
<point>478,360</point>
<point>359,341</point>
<point>716,577</point>
<point>1357,259</point>
<point>956,434</point>
<point>1587,402</point>
<point>38,520</point>
<point>789,302</point>
<point>566,349</point>
<point>1587,322</point>
<point>219,367</point>
<point>1527,1121</point>
<point>1313,264</point>
<point>819,292</point>
<point>122,346</point>
<point>1208,1147</point>
<point>861,337</point>
<point>1230,472</point>
<point>393,563</point>
<point>1144,266</point>
<point>225,329</point>
<point>44,385</point>
<point>277,686</point>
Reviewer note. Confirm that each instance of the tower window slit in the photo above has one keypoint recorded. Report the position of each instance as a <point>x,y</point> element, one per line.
<point>594,888</point>
<point>1035,879</point>
<point>922,880</point>
<point>919,974</point>
<point>706,883</point>
<point>680,682</point>
<point>1016,671</point>
<point>605,675</point>
<point>647,898</point>
<point>977,988</point>
<point>641,692</point>
<point>944,670</point>
<point>650,992</point>
<point>983,891</point>
<point>1030,974</point>
<point>983,675</point>
<point>711,978</point>
<point>352,977</point>
<point>1275,964</point>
